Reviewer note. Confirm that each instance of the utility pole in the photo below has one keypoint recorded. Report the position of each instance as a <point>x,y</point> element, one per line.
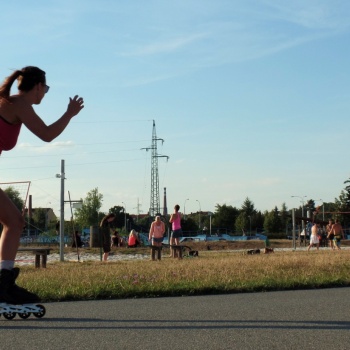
<point>138,210</point>
<point>154,202</point>
<point>165,206</point>
<point>62,201</point>
<point>62,177</point>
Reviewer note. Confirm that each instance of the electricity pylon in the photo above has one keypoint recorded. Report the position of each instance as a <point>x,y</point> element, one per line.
<point>154,203</point>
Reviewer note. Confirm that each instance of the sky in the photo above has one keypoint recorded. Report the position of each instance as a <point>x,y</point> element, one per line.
<point>251,98</point>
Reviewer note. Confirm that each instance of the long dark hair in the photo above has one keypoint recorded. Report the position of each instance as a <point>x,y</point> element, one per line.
<point>27,78</point>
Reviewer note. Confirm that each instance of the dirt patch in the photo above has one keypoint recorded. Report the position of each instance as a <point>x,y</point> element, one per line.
<point>227,245</point>
<point>204,246</point>
<point>251,244</point>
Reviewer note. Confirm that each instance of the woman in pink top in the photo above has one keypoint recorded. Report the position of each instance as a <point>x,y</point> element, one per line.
<point>133,240</point>
<point>156,232</point>
<point>176,232</point>
<point>15,110</point>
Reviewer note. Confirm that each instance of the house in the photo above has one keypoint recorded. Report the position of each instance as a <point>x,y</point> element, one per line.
<point>49,215</point>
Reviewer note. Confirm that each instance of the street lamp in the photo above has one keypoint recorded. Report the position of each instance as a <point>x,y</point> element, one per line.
<point>185,207</point>
<point>210,215</point>
<point>199,218</point>
<point>322,208</point>
<point>302,210</point>
<point>125,217</point>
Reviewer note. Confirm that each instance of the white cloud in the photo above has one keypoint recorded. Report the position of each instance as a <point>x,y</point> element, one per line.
<point>267,182</point>
<point>166,46</point>
<point>312,14</point>
<point>46,147</point>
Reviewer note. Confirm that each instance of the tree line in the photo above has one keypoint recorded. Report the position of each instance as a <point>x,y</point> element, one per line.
<point>226,218</point>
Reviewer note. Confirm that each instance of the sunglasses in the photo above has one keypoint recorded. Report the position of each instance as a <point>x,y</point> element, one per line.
<point>47,88</point>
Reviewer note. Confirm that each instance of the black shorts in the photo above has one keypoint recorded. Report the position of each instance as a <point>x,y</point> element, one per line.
<point>176,233</point>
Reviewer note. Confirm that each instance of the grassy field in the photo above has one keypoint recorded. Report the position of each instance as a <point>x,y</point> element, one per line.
<point>213,272</point>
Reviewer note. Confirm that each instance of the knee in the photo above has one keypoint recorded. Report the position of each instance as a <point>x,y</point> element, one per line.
<point>14,223</point>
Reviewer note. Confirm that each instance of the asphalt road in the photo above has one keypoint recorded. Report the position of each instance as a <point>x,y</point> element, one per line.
<point>310,319</point>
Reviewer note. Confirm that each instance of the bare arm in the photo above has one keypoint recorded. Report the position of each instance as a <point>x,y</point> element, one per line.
<point>35,124</point>
<point>150,231</point>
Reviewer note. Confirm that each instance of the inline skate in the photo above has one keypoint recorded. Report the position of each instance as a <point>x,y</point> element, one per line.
<point>15,300</point>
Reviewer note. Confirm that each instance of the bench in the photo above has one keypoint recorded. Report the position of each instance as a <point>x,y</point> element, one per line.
<point>156,249</point>
<point>177,251</point>
<point>38,252</point>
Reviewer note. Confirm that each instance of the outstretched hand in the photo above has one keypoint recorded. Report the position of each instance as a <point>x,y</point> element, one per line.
<point>76,104</point>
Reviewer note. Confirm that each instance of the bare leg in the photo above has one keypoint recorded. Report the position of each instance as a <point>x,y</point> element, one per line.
<point>159,252</point>
<point>13,223</point>
<point>171,249</point>
<point>105,256</point>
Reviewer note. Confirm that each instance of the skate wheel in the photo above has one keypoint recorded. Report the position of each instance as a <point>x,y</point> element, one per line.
<point>9,315</point>
<point>40,313</point>
<point>24,315</point>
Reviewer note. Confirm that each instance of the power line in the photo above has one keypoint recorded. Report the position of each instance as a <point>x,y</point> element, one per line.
<point>74,154</point>
<point>77,164</point>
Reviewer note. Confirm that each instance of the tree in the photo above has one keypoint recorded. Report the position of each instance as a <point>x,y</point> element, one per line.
<point>310,206</point>
<point>118,211</point>
<point>242,223</point>
<point>342,204</point>
<point>88,214</point>
<point>15,197</point>
<point>225,216</point>
<point>259,221</point>
<point>145,223</point>
<point>188,224</point>
<point>39,219</point>
<point>246,220</point>
<point>248,207</point>
<point>272,222</point>
<point>285,217</point>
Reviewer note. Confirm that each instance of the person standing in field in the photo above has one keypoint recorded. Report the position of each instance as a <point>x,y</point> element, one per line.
<point>156,236</point>
<point>338,232</point>
<point>17,110</point>
<point>314,237</point>
<point>105,232</point>
<point>176,232</point>
<point>330,235</point>
<point>77,240</point>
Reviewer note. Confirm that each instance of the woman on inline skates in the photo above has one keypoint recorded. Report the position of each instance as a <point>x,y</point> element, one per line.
<point>16,110</point>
